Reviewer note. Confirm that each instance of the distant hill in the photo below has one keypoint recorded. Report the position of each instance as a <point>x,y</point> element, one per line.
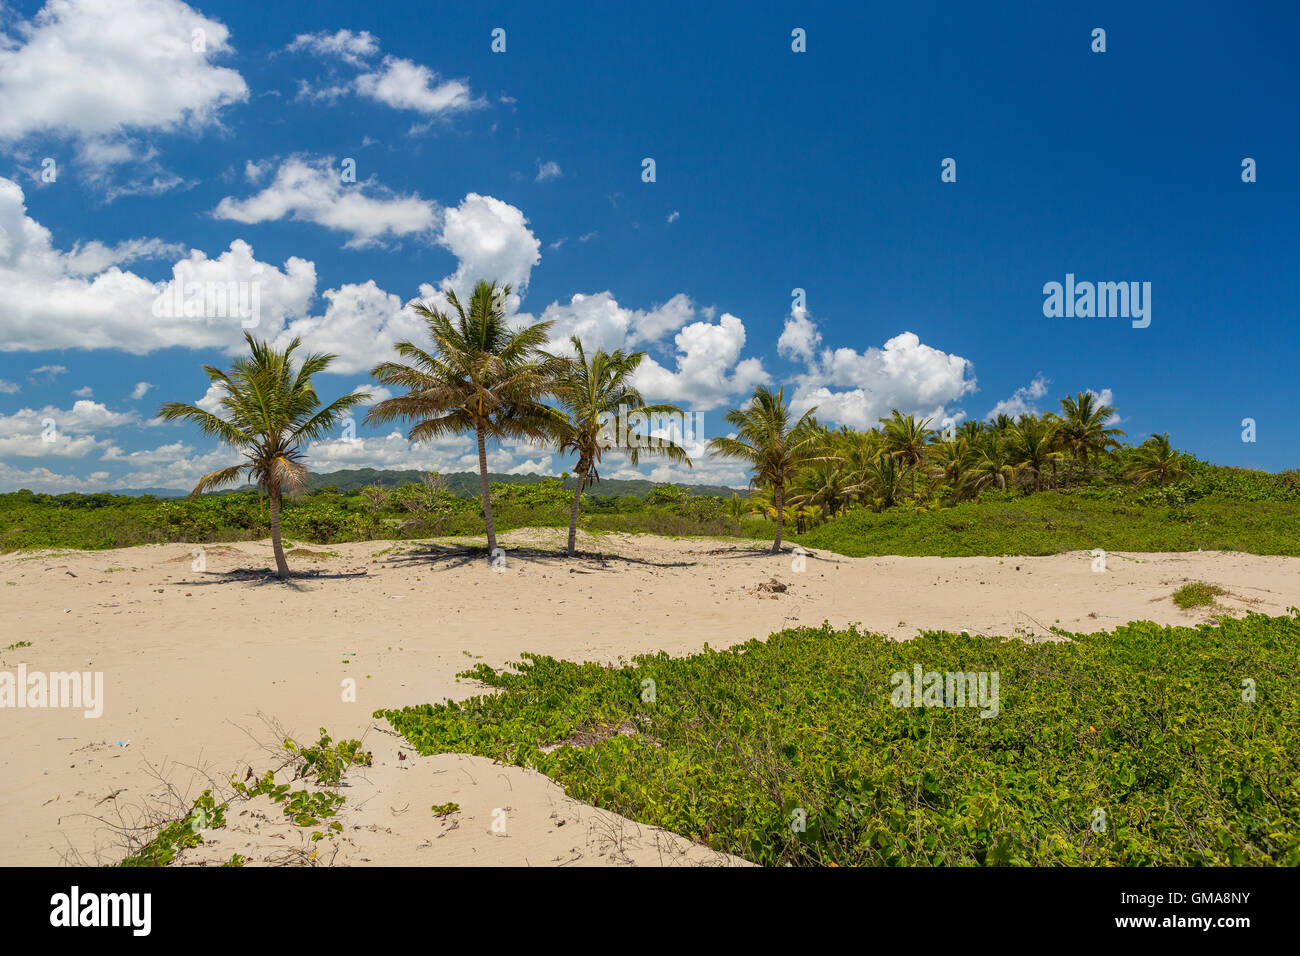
<point>156,492</point>
<point>466,483</point>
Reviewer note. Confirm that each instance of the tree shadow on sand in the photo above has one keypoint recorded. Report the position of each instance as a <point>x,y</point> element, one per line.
<point>455,556</point>
<point>261,577</point>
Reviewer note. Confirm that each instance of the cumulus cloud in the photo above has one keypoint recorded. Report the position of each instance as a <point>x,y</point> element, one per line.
<point>140,390</point>
<point>491,240</point>
<point>52,303</point>
<point>405,85</point>
<point>312,190</point>
<point>799,338</point>
<point>361,324</point>
<point>90,69</point>
<point>52,432</point>
<point>350,47</point>
<point>704,369</point>
<point>1023,401</point>
<point>9,388</point>
<point>858,388</point>
<point>548,170</point>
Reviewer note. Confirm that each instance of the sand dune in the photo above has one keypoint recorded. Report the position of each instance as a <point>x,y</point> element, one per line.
<point>190,658</point>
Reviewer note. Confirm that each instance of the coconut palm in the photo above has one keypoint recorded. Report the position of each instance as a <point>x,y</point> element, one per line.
<point>821,486</point>
<point>482,377</point>
<point>952,463</point>
<point>592,390</point>
<point>268,411</point>
<point>773,445</point>
<point>992,466</point>
<point>1156,458</point>
<point>1082,428</point>
<point>1033,447</point>
<point>882,484</point>
<point>905,439</point>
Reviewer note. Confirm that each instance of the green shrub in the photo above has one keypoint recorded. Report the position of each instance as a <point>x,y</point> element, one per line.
<point>1145,729</point>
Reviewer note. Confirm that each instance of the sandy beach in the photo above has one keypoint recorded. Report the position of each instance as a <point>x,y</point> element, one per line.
<point>191,658</point>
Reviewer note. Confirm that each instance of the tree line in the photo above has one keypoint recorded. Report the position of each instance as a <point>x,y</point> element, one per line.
<point>481,376</point>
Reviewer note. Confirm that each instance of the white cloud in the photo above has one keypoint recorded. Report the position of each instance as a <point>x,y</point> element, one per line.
<point>859,388</point>
<point>378,393</point>
<point>140,390</point>
<point>548,170</point>
<point>91,257</point>
<point>402,84</point>
<point>92,68</point>
<point>602,323</point>
<point>800,338</point>
<point>491,240</point>
<point>1023,401</point>
<point>9,388</point>
<point>84,392</point>
<point>674,216</point>
<point>312,190</point>
<point>47,372</point>
<point>709,369</point>
<point>211,400</point>
<point>254,172</point>
<point>361,324</point>
<point>52,432</point>
<point>51,304</point>
<point>350,47</point>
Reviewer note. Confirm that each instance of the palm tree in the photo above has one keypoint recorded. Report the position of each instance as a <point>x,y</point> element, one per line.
<point>1032,446</point>
<point>992,465</point>
<point>591,390</point>
<point>882,482</point>
<point>821,486</point>
<point>1156,458</point>
<point>952,464</point>
<point>774,447</point>
<point>1083,430</point>
<point>269,411</point>
<point>905,439</point>
<point>481,377</point>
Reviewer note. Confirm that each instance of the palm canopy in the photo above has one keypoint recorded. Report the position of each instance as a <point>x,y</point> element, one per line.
<point>767,439</point>
<point>1157,458</point>
<point>269,411</point>
<point>1082,428</point>
<point>774,446</point>
<point>481,374</point>
<point>591,391</point>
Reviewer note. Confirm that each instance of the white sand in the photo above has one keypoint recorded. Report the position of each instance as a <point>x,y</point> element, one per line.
<point>190,658</point>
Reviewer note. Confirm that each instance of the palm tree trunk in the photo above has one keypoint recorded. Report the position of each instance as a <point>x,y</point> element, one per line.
<point>780,518</point>
<point>487,494</point>
<point>281,565</point>
<point>573,514</point>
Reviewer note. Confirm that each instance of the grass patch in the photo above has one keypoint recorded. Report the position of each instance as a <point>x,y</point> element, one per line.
<point>1197,594</point>
<point>1052,523</point>
<point>1144,729</point>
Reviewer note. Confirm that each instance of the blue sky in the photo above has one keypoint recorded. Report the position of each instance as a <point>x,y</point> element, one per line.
<point>774,170</point>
